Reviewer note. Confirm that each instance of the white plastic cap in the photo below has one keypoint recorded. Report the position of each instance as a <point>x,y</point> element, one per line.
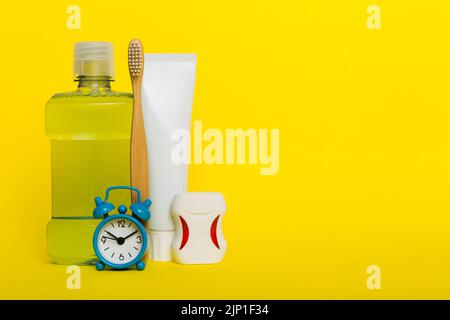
<point>93,59</point>
<point>159,247</point>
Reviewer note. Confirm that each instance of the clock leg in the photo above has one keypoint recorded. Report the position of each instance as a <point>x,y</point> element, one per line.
<point>100,266</point>
<point>140,265</point>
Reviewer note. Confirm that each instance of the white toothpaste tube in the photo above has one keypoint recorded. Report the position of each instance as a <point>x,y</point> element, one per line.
<point>167,96</point>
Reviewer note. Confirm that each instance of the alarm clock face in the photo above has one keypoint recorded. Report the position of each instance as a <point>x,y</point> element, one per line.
<point>120,241</point>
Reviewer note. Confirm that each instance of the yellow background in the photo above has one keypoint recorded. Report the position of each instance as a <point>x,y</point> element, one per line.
<point>364,144</point>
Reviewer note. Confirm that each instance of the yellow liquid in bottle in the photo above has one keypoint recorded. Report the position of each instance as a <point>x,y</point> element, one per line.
<point>90,145</point>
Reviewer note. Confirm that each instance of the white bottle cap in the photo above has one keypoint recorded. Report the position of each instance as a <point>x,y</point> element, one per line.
<point>159,246</point>
<point>93,59</point>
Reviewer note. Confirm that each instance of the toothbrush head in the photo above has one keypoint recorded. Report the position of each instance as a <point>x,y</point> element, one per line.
<point>136,58</point>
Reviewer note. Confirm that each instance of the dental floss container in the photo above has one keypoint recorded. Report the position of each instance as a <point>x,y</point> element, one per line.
<point>198,236</point>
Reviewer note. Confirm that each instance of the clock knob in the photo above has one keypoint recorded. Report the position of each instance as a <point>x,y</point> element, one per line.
<point>102,208</point>
<point>141,210</point>
<point>122,209</point>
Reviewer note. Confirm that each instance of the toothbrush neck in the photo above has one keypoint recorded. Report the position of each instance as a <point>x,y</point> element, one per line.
<point>93,83</point>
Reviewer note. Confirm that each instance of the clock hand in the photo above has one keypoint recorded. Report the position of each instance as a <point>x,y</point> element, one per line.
<point>115,238</point>
<point>130,235</point>
<point>109,238</point>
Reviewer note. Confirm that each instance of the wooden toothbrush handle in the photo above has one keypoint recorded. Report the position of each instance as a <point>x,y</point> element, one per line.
<point>139,156</point>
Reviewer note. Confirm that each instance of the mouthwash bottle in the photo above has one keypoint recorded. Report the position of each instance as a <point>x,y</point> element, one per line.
<point>90,146</point>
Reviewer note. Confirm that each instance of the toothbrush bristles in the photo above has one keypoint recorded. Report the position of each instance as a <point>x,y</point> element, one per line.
<point>135,58</point>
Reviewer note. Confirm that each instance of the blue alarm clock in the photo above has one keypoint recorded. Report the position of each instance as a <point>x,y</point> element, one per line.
<point>120,240</point>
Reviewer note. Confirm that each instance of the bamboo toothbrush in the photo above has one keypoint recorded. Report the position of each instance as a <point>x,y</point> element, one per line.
<point>139,160</point>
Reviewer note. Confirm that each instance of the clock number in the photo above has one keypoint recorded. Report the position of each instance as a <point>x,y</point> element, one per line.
<point>121,257</point>
<point>121,223</point>
<point>138,239</point>
<point>103,240</point>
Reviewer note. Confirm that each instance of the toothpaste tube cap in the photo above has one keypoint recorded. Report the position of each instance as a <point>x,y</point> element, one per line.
<point>159,247</point>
